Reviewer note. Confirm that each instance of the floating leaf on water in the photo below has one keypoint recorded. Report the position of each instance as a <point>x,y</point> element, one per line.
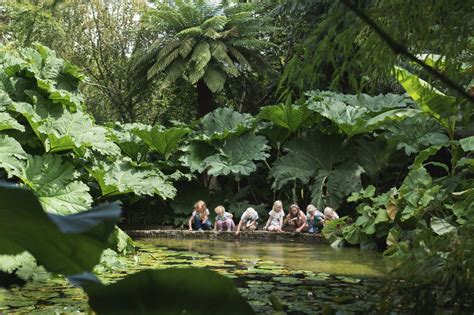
<point>287,280</point>
<point>348,279</point>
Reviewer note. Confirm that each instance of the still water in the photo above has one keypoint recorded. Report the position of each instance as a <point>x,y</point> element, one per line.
<point>303,278</point>
<point>292,256</point>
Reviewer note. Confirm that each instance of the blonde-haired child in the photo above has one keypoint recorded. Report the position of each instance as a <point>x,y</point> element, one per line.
<point>223,220</point>
<point>314,219</point>
<point>275,219</point>
<point>248,220</point>
<point>330,214</point>
<point>295,221</point>
<point>200,217</point>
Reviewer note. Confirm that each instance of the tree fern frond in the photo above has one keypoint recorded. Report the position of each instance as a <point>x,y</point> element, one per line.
<point>168,48</point>
<point>192,31</point>
<point>187,46</point>
<point>162,64</point>
<point>240,58</point>
<point>212,34</point>
<point>201,55</point>
<point>219,53</point>
<point>176,70</point>
<point>196,74</point>
<point>216,22</point>
<point>215,79</point>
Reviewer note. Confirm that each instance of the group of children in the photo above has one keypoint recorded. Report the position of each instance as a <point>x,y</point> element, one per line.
<point>295,221</point>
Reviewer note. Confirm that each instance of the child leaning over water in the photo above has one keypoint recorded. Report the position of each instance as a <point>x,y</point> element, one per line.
<point>275,219</point>
<point>224,220</point>
<point>295,221</point>
<point>314,219</point>
<point>200,217</point>
<point>248,220</point>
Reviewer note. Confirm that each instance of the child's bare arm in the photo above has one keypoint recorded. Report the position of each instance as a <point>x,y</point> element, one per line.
<point>238,227</point>
<point>267,224</point>
<point>190,223</point>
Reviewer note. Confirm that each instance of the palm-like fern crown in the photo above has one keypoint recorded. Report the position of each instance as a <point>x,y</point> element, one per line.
<point>200,41</point>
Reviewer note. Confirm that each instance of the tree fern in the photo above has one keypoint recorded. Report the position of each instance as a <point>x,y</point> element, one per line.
<point>205,43</point>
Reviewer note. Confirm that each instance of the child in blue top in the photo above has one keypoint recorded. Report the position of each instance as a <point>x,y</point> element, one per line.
<point>314,219</point>
<point>224,220</point>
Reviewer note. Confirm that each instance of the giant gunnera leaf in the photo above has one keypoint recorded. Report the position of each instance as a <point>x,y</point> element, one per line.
<point>356,114</point>
<point>55,184</point>
<point>223,123</point>
<point>290,117</point>
<point>123,177</point>
<point>415,134</point>
<point>321,161</point>
<point>237,156</point>
<point>62,244</point>
<point>61,130</point>
<point>130,144</point>
<point>12,156</point>
<point>164,141</point>
<point>8,122</point>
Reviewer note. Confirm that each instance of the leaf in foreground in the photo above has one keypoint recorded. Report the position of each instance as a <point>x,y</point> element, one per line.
<point>62,244</point>
<point>169,291</point>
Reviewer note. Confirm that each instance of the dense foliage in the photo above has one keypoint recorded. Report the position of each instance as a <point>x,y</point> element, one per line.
<point>395,163</point>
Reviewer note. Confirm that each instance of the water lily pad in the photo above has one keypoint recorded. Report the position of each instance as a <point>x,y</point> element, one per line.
<point>287,280</point>
<point>348,279</point>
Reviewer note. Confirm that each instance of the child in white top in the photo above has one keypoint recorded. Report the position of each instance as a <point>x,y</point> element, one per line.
<point>275,219</point>
<point>248,220</point>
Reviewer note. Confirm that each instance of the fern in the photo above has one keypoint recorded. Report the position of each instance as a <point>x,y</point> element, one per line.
<point>215,79</point>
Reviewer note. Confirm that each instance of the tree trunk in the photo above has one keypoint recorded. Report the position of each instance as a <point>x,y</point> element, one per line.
<point>205,99</point>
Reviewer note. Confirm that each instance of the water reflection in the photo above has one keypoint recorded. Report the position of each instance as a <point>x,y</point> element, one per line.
<point>293,256</point>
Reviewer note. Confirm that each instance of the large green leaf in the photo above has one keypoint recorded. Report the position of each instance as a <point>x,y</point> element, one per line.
<point>359,114</point>
<point>417,192</point>
<point>416,133</point>
<point>164,141</point>
<point>467,144</point>
<point>290,117</point>
<point>322,161</point>
<point>62,244</point>
<point>54,183</point>
<point>169,291</point>
<point>371,104</point>
<point>130,144</point>
<point>429,99</point>
<point>12,156</point>
<point>123,177</point>
<point>224,122</point>
<point>195,154</point>
<point>237,156</point>
<point>40,68</point>
<point>373,156</point>
<point>61,130</point>
<point>8,122</point>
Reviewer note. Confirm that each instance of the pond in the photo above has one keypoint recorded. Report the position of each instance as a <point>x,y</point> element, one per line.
<point>291,278</point>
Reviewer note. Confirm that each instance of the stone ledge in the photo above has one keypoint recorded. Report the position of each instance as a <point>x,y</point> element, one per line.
<point>230,236</point>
